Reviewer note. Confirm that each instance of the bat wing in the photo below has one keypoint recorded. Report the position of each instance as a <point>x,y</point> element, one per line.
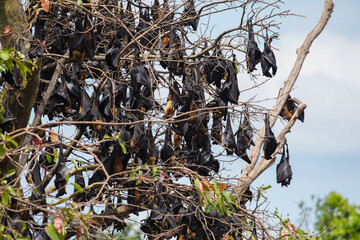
<point>283,169</point>
<point>269,140</point>
<point>229,138</point>
<point>61,173</point>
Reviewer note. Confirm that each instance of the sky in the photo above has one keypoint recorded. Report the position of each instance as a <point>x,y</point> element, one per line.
<point>323,149</point>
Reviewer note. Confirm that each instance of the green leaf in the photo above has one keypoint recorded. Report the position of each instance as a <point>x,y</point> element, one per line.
<point>122,145</point>
<point>228,200</point>
<point>4,54</point>
<point>10,173</point>
<point>2,150</point>
<point>53,233</point>
<point>49,158</point>
<point>5,198</point>
<point>56,155</point>
<point>78,187</point>
<point>210,207</point>
<point>11,190</point>
<point>266,188</point>
<point>22,238</point>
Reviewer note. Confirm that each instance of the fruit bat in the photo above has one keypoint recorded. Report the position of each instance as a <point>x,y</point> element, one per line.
<point>253,235</point>
<point>229,138</point>
<point>115,162</point>
<point>283,169</point>
<point>38,194</point>
<point>139,77</point>
<point>74,90</point>
<point>112,57</point>
<point>13,77</point>
<point>79,179</point>
<point>80,43</point>
<point>8,125</point>
<point>269,140</point>
<point>289,109</point>
<point>190,14</point>
<point>85,106</point>
<point>253,54</point>
<point>139,139</point>
<point>152,150</point>
<point>206,159</point>
<point>216,131</point>
<point>36,50</point>
<point>167,153</point>
<point>244,139</point>
<point>156,11</point>
<point>41,235</point>
<point>268,59</point>
<point>174,58</point>
<point>230,90</point>
<point>214,68</point>
<point>173,99</point>
<point>107,102</point>
<point>59,100</point>
<point>246,196</point>
<point>61,173</point>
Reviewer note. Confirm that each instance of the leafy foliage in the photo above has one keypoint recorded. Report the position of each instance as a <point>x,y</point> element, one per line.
<point>337,218</point>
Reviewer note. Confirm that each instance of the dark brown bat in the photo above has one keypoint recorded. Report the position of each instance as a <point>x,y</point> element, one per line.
<point>214,68</point>
<point>289,109</point>
<point>253,53</point>
<point>269,140</point>
<point>244,139</point>
<point>268,59</point>
<point>61,173</point>
<point>230,90</point>
<point>229,138</point>
<point>8,125</point>
<point>168,151</point>
<point>190,14</point>
<point>283,169</point>
<point>253,235</point>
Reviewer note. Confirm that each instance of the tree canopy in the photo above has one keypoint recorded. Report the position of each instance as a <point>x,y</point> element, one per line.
<point>337,218</point>
<point>117,108</point>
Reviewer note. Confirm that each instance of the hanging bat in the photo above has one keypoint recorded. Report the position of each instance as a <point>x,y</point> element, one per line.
<point>61,173</point>
<point>80,43</point>
<point>59,100</point>
<point>289,109</point>
<point>230,89</point>
<point>253,235</point>
<point>85,106</point>
<point>214,68</point>
<point>13,77</point>
<point>107,102</point>
<point>229,138</point>
<point>253,53</point>
<point>269,140</point>
<point>168,152</point>
<point>190,15</point>
<point>38,195</point>
<point>153,152</point>
<point>268,59</point>
<point>206,159</point>
<point>8,125</point>
<point>112,57</point>
<point>79,179</point>
<point>244,139</point>
<point>283,169</point>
